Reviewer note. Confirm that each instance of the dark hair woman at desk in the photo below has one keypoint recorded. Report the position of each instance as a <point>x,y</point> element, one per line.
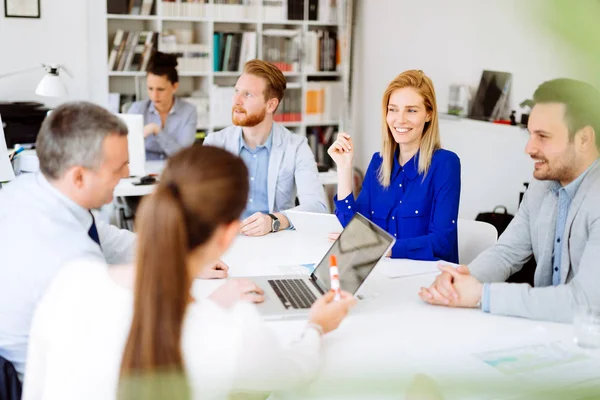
<point>94,336</point>
<point>169,122</point>
<point>412,186</point>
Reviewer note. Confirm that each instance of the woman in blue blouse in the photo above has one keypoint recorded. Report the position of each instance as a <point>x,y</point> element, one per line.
<point>170,123</point>
<point>412,187</point>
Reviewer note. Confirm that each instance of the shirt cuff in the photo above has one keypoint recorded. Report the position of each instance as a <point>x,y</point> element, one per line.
<point>346,204</point>
<point>485,298</point>
<point>291,227</point>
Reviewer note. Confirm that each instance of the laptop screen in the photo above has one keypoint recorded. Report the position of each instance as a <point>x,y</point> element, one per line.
<point>358,249</point>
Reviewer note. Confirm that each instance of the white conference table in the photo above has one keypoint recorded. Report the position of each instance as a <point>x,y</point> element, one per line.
<point>127,188</point>
<point>391,335</point>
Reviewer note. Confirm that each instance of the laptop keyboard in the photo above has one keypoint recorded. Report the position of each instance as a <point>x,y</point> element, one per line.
<point>293,293</point>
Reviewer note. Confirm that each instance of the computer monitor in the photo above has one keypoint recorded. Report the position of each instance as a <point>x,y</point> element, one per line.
<point>6,170</point>
<point>135,141</point>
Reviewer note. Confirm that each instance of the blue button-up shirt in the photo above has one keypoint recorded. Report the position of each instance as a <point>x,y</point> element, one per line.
<point>178,132</point>
<point>565,196</point>
<point>257,161</point>
<point>420,211</point>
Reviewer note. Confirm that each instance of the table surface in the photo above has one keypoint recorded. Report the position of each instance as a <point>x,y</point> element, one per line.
<point>127,188</point>
<point>391,335</point>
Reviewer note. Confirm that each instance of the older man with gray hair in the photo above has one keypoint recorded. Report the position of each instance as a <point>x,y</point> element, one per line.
<point>45,218</point>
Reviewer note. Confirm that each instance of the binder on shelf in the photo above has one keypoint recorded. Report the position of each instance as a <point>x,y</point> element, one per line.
<point>117,6</point>
<point>147,7</point>
<point>295,10</point>
<point>135,7</point>
<point>313,10</point>
<point>112,58</point>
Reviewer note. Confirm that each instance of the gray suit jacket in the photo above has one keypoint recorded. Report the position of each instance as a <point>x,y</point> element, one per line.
<point>292,169</point>
<point>532,232</point>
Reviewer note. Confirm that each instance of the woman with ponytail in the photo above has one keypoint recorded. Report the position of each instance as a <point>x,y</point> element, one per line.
<point>138,333</point>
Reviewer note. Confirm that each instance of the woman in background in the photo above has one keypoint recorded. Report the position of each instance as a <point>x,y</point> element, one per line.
<point>96,337</point>
<point>169,123</point>
<point>412,187</point>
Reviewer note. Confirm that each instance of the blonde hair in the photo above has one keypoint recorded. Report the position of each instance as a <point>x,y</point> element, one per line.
<point>430,140</point>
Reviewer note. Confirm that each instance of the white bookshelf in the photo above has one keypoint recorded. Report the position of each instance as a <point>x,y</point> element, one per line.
<point>206,22</point>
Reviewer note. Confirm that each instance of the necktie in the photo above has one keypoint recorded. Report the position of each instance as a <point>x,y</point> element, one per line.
<point>93,232</point>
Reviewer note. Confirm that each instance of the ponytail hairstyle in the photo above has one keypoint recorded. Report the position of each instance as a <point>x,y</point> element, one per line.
<point>200,189</point>
<point>164,64</point>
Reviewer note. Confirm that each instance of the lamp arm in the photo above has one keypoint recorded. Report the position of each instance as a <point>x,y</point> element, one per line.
<point>66,70</point>
<point>7,74</point>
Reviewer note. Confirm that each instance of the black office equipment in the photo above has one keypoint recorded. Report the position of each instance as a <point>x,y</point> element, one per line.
<point>22,121</point>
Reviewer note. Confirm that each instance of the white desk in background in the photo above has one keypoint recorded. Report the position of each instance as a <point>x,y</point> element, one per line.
<point>391,335</point>
<point>126,187</point>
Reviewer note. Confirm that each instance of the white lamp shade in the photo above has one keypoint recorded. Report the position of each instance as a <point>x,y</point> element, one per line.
<point>51,86</point>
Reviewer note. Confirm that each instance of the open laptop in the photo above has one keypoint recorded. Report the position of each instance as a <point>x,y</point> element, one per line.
<point>314,223</point>
<point>360,246</point>
<point>135,142</point>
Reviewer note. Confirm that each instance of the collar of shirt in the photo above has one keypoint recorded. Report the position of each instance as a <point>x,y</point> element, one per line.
<point>173,109</point>
<point>81,214</point>
<point>571,188</point>
<point>268,144</point>
<point>411,168</point>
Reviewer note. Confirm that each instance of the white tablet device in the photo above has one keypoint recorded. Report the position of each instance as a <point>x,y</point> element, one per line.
<point>317,223</point>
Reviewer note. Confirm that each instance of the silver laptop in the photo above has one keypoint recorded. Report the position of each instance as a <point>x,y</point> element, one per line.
<point>358,249</point>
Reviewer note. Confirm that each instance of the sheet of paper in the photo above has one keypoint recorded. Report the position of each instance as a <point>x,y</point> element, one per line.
<point>397,268</point>
<point>562,364</point>
<point>6,169</point>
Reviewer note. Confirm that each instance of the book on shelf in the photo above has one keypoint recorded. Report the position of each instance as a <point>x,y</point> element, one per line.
<point>282,48</point>
<point>220,105</point>
<point>321,51</point>
<point>323,101</point>
<point>235,9</point>
<point>147,7</point>
<point>274,10</point>
<point>191,57</point>
<point>201,102</point>
<point>295,10</point>
<point>232,50</point>
<point>320,138</point>
<point>185,8</point>
<point>117,6</point>
<point>131,50</point>
<point>290,107</point>
<point>327,11</point>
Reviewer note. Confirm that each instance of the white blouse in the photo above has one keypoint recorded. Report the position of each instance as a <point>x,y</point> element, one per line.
<point>81,326</point>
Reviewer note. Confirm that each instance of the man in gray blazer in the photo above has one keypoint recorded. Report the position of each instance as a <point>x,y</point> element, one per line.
<point>558,221</point>
<point>280,163</point>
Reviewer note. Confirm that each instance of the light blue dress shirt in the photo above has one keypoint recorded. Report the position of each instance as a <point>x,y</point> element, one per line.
<point>257,161</point>
<point>565,196</point>
<point>40,231</point>
<point>179,130</point>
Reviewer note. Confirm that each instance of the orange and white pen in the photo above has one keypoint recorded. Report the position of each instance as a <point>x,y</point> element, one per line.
<point>334,274</point>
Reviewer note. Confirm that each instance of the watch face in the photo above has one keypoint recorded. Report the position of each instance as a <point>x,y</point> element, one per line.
<point>276,224</point>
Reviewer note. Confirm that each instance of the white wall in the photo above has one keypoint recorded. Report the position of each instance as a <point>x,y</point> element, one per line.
<point>452,42</point>
<point>59,36</point>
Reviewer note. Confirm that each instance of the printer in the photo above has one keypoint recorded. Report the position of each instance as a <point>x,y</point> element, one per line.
<point>22,121</point>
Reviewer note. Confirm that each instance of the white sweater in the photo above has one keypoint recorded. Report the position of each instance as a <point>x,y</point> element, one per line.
<point>81,326</point>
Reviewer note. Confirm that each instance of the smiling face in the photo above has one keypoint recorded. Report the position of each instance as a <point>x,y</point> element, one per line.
<point>550,145</point>
<point>406,117</point>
